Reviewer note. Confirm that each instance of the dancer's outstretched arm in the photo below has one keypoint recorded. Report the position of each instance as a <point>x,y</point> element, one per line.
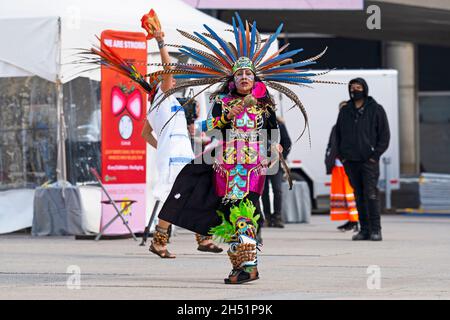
<point>167,82</point>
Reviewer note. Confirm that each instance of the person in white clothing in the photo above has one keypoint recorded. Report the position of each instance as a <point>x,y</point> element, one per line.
<point>173,152</point>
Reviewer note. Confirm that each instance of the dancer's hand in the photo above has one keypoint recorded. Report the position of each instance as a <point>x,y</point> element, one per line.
<point>235,111</point>
<point>279,148</point>
<point>159,35</point>
<point>276,147</point>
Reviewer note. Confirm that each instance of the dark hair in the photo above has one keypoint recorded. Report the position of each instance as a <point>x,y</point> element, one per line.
<point>223,89</point>
<point>342,104</point>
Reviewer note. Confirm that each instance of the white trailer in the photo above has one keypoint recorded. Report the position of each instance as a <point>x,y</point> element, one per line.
<point>321,104</point>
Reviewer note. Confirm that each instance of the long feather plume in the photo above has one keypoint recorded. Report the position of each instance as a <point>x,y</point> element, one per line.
<point>187,102</point>
<point>184,85</point>
<point>107,57</point>
<point>291,95</point>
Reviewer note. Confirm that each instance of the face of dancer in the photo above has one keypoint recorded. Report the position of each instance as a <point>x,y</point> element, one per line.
<point>244,80</point>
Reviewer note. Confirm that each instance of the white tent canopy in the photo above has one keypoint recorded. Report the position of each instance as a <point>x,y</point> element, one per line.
<point>38,37</point>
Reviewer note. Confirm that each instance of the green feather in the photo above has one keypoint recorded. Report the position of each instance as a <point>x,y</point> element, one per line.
<point>226,230</point>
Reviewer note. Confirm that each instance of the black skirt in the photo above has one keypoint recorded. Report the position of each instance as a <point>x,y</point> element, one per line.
<point>193,203</point>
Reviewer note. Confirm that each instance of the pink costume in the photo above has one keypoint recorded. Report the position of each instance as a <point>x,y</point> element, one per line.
<point>240,167</point>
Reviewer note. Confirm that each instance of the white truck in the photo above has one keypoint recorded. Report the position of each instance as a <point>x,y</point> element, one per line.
<point>321,104</point>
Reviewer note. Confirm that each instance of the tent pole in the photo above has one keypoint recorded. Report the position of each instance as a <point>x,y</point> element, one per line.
<point>61,167</point>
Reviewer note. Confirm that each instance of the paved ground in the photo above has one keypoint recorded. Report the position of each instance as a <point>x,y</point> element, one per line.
<point>311,261</point>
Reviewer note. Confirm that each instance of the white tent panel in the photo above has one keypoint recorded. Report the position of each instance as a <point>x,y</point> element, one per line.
<point>8,70</point>
<point>17,210</point>
<point>91,197</point>
<point>30,44</point>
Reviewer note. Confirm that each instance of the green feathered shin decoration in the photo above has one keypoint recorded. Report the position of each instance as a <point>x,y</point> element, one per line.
<point>225,231</point>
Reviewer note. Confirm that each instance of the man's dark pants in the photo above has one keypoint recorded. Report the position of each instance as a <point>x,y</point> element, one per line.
<point>275,180</point>
<point>363,177</point>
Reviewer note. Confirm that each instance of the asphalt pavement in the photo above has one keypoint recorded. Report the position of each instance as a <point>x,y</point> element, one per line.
<point>301,261</point>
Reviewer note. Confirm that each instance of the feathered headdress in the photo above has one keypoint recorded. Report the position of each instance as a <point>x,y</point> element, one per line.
<point>220,59</point>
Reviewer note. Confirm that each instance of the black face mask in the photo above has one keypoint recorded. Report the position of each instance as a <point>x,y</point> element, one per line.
<point>357,95</point>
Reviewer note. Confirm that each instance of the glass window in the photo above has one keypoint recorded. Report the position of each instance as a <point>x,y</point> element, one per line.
<point>83,123</point>
<point>28,125</point>
<point>435,132</point>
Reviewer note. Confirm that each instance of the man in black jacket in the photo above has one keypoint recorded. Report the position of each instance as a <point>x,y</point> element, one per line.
<point>362,136</point>
<point>275,220</point>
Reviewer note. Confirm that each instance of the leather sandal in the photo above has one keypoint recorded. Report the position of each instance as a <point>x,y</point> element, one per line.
<point>239,276</point>
<point>161,237</point>
<point>164,254</point>
<point>210,247</point>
